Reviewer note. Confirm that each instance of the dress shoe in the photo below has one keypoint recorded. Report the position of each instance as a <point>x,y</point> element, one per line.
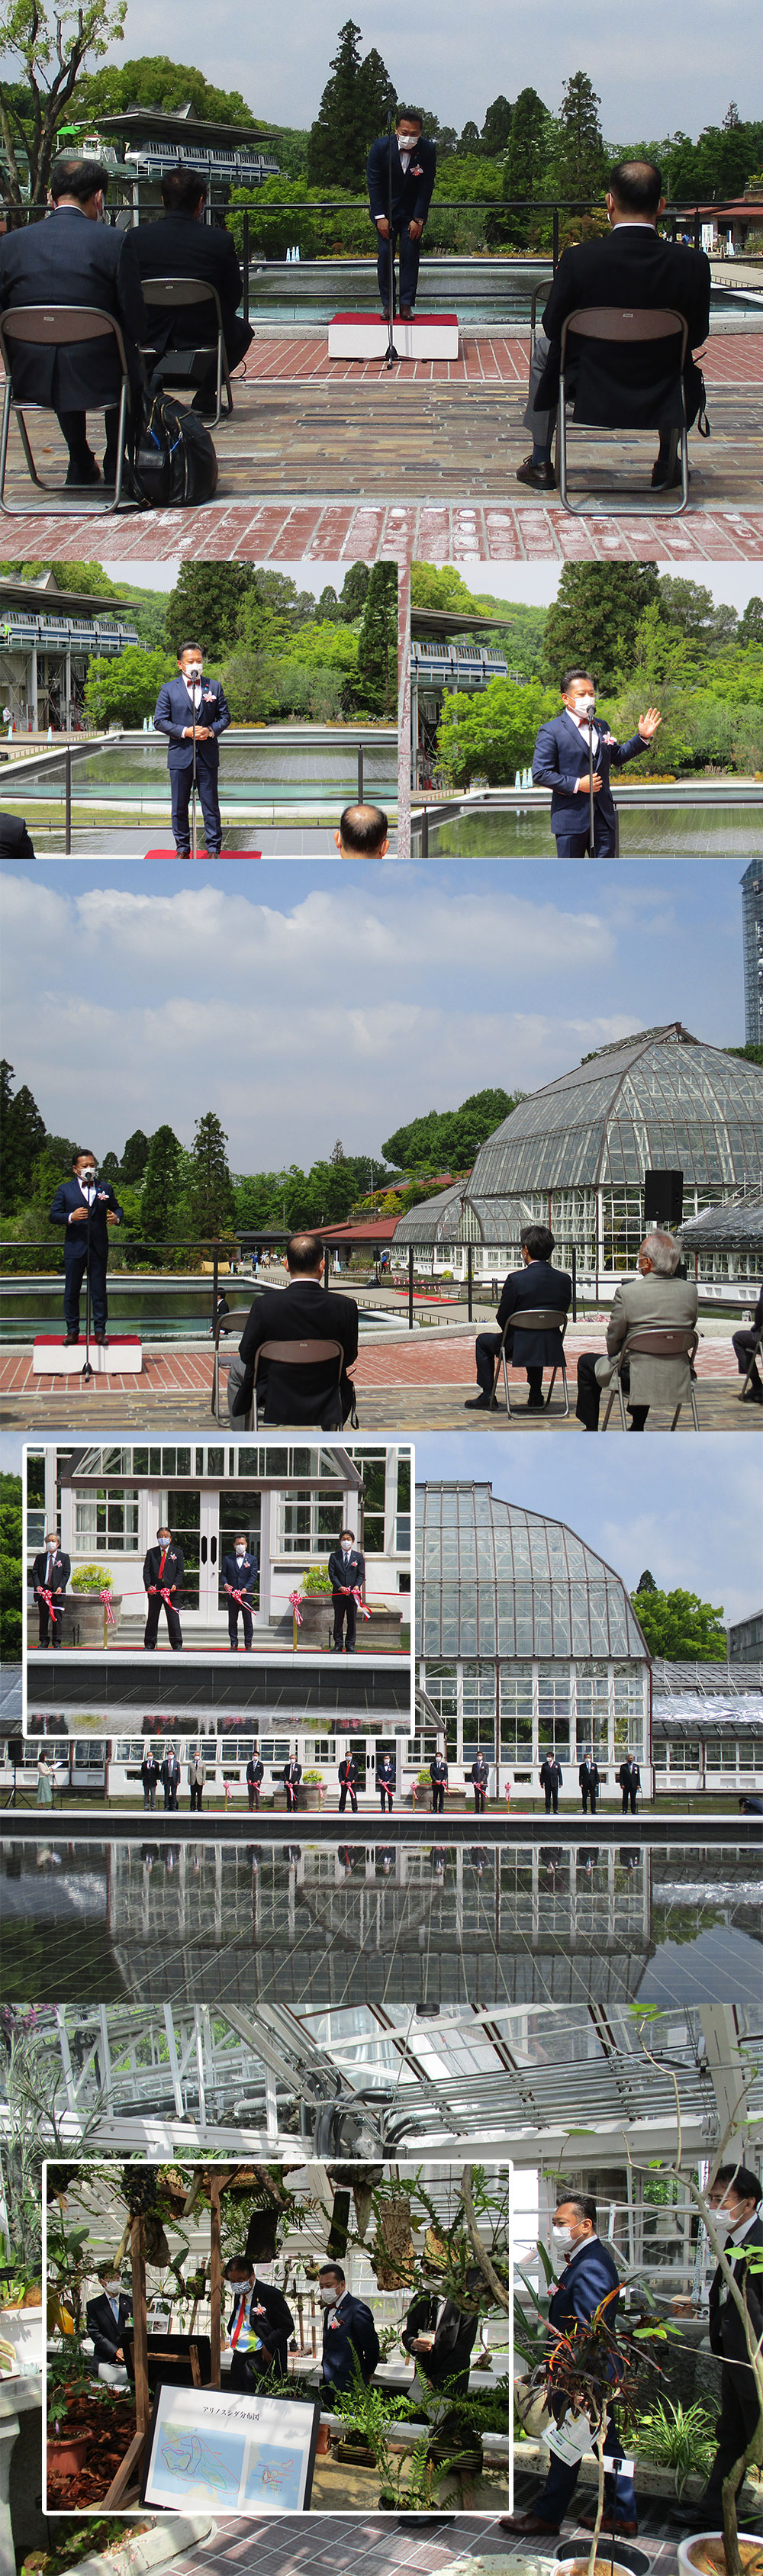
<point>103,1339</point>
<point>667,478</point>
<point>477,1404</point>
<point>753,1394</point>
<point>70,1338</point>
<point>527,2525</point>
<point>83,470</point>
<point>406,313</point>
<point>541,478</point>
<point>535,1404</point>
<point>611,2524</point>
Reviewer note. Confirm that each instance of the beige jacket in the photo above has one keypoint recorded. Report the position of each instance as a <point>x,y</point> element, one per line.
<point>652,1302</point>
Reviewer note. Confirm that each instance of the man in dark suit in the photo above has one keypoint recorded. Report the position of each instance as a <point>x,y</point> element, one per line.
<point>588,2276</point>
<point>588,1776</point>
<point>196,1779</point>
<point>50,1573</point>
<point>551,1782</point>
<point>744,1343</point>
<point>386,1779</point>
<point>181,244</point>
<point>306,1311</point>
<point>629,1778</point>
<point>348,1784</point>
<point>170,1779</point>
<point>87,1209</point>
<point>349,2333</point>
<point>260,2325</point>
<point>735,2197</point>
<point>479,1776</point>
<point>291,1776</point>
<point>438,1773</point>
<point>414,162</point>
<point>193,709</point>
<point>624,384</point>
<point>347,1574</point>
<point>565,748</point>
<point>239,1574</point>
<point>75,258</point>
<point>150,1776</point>
<point>163,1570</point>
<point>536,1284</point>
<point>255,1773</point>
<point>441,2337</point>
<point>108,2316</point>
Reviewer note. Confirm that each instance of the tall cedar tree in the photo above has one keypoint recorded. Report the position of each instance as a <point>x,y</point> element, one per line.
<point>22,1137</point>
<point>377,642</point>
<point>212,1200</point>
<point>594,617</point>
<point>160,1186</point>
<point>353,109</point>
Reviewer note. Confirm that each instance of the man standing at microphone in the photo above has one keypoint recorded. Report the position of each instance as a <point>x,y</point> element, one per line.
<point>568,749</point>
<point>193,710</point>
<point>414,162</point>
<point>86,1210</point>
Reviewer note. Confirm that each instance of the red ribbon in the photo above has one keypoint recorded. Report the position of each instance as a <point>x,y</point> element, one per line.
<point>42,1595</point>
<point>244,1599</point>
<point>295,1601</point>
<point>166,1596</point>
<point>105,1597</point>
<point>362,1605</point>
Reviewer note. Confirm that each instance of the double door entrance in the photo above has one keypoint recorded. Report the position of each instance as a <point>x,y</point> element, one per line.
<point>207,1524</point>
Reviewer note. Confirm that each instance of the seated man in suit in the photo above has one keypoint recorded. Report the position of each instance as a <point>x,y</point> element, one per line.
<point>107,2316</point>
<point>536,1284</point>
<point>628,384</point>
<point>50,1573</point>
<point>76,258</point>
<point>658,1298</point>
<point>565,749</point>
<point>363,832</point>
<point>414,162</point>
<point>260,2325</point>
<point>15,842</point>
<point>304,1311</point>
<point>192,709</point>
<point>87,1209</point>
<point>181,244</point>
<point>587,2277</point>
<point>743,1343</point>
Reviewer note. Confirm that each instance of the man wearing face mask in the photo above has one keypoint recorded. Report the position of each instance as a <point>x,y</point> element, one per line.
<point>566,748</point>
<point>588,2275</point>
<point>163,1570</point>
<point>193,710</point>
<point>414,162</point>
<point>260,2325</point>
<point>50,1573</point>
<point>87,1208</point>
<point>735,2198</point>
<point>239,1574</point>
<point>76,258</point>
<point>108,2316</point>
<point>347,1574</point>
<point>348,2333</point>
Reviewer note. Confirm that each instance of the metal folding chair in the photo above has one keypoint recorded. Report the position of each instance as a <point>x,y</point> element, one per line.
<point>55,327</point>
<point>661,1342</point>
<point>226,1324</point>
<point>755,1354</point>
<point>621,326</point>
<point>176,366</point>
<point>532,1319</point>
<point>299,1355</point>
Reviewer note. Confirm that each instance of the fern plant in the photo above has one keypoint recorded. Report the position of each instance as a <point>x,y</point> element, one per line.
<point>680,2438</point>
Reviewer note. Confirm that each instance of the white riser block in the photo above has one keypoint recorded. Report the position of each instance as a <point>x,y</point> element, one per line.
<point>121,1358</point>
<point>363,335</point>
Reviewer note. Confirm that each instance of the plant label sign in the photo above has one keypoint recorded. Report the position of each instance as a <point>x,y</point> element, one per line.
<point>570,2439</point>
<point>230,2451</point>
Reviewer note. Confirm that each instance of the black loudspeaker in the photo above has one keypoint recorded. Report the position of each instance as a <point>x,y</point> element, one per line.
<point>16,1751</point>
<point>663,1200</point>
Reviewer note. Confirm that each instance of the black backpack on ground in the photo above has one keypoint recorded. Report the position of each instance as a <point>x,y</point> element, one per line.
<point>173,462</point>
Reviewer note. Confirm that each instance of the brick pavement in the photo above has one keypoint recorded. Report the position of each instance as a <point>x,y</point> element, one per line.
<point>377,2546</point>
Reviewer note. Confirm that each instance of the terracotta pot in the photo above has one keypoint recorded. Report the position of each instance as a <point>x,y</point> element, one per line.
<point>65,2459</point>
<point>324,2439</point>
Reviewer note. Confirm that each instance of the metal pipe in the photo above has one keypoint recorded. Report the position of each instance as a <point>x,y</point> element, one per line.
<point>410,1287</point>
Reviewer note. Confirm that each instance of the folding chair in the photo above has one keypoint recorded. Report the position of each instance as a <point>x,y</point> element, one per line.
<point>180,366</point>
<point>660,1342</point>
<point>299,1355</point>
<point>755,1353</point>
<point>621,326</point>
<point>226,1324</point>
<point>532,1319</point>
<point>56,329</point>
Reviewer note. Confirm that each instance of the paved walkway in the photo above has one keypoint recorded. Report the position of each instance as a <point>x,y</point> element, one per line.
<point>426,449</point>
<point>376,2546</point>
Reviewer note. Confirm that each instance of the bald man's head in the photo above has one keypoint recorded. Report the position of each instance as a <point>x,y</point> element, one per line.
<point>362,832</point>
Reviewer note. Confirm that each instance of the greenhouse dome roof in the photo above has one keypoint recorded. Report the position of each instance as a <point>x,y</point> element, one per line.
<point>494,1579</point>
<point>660,1100</point>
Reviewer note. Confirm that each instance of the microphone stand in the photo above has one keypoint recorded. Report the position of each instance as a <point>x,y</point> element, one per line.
<point>589,722</point>
<point>194,824</point>
<point>391,350</point>
<point>88,1370</point>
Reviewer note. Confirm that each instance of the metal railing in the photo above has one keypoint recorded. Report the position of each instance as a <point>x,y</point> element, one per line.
<point>469,1248</point>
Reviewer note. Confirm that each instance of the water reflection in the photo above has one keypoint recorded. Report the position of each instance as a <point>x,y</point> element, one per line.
<point>349,1923</point>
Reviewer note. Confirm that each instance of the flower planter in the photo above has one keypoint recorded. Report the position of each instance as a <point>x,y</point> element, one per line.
<point>357,2453</point>
<point>703,2553</point>
<point>67,2458</point>
<point>140,2551</point>
<point>317,1626</point>
<point>84,1615</point>
<point>21,2328</point>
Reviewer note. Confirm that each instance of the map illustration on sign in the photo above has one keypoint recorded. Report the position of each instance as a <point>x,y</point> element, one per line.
<point>200,2466</point>
<point>273,2477</point>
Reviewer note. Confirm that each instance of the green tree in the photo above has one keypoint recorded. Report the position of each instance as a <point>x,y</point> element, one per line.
<point>11,1569</point>
<point>750,629</point>
<point>524,155</point>
<point>353,109</point>
<point>354,592</point>
<point>581,161</point>
<point>135,1156</point>
<point>646,1582</point>
<point>124,689</point>
<point>449,1135</point>
<point>377,643</point>
<point>492,734</point>
<point>153,80</point>
<point>680,1627</point>
<point>22,1138</point>
<point>212,1200</point>
<point>496,128</point>
<point>51,47</point>
<point>595,616</point>
<point>690,605</point>
<point>206,604</point>
<point>160,1188</point>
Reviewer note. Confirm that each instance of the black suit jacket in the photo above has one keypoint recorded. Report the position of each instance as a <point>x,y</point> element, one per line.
<point>550,1772</point>
<point>274,2323</point>
<point>60,1570</point>
<point>353,1573</point>
<point>242,1578</point>
<point>102,2324</point>
<point>454,2338</point>
<point>68,1197</point>
<point>628,386</point>
<point>69,260</point>
<point>178,246</point>
<point>411,189</point>
<point>302,1312</point>
<point>536,1284</point>
<point>173,1568</point>
<point>727,2335</point>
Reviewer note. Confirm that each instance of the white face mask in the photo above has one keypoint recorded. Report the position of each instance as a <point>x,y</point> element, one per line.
<point>240,1553</point>
<point>583,706</point>
<point>87,1177</point>
<point>562,2239</point>
<point>193,673</point>
<point>329,2297</point>
<point>112,2289</point>
<point>725,2219</point>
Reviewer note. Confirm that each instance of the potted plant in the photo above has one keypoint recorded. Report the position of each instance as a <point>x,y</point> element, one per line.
<point>313,1591</point>
<point>86,1620</point>
<point>21,2340</point>
<point>312,1785</point>
<point>68,2377</point>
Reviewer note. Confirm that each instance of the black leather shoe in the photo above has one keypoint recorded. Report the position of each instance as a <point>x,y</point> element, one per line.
<point>83,470</point>
<point>70,1338</point>
<point>407,313</point>
<point>477,1404</point>
<point>541,478</point>
<point>665,478</point>
<point>753,1394</point>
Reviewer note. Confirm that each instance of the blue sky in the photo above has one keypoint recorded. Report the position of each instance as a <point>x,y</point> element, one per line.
<point>304,1008</point>
<point>690,1509</point>
<point>653,68</point>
